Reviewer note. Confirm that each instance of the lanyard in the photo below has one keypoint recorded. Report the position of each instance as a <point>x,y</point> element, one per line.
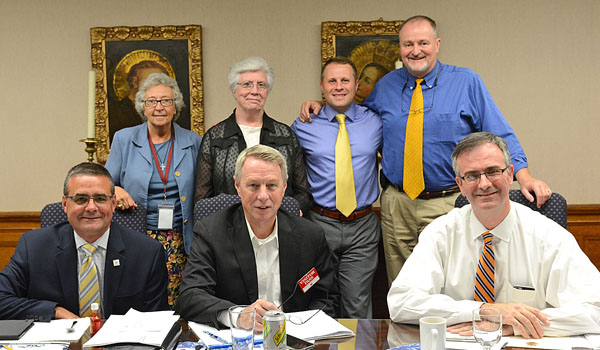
<point>164,177</point>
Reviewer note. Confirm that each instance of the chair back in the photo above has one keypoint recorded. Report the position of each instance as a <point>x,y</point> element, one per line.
<point>555,208</point>
<point>208,206</point>
<point>53,213</point>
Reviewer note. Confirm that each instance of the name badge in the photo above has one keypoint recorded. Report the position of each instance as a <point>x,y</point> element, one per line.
<point>165,215</point>
<point>309,280</point>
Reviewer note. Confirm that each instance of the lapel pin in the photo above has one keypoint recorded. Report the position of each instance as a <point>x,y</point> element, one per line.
<point>116,263</point>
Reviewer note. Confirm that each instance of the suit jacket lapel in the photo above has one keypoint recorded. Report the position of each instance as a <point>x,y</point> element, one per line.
<point>115,251</point>
<point>288,255</point>
<point>140,140</point>
<point>181,143</point>
<point>66,265</point>
<point>244,253</point>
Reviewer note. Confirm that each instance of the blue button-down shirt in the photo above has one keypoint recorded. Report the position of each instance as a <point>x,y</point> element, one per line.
<point>459,104</point>
<point>317,140</point>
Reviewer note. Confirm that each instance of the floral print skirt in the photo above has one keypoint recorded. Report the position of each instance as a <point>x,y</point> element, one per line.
<point>172,241</point>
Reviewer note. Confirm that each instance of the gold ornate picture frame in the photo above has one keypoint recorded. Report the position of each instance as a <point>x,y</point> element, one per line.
<point>123,56</point>
<point>372,45</point>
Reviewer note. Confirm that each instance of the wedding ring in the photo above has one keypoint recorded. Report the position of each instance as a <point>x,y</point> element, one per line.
<point>120,206</point>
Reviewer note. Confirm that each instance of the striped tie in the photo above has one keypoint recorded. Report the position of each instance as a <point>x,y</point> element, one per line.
<point>89,290</point>
<point>484,277</point>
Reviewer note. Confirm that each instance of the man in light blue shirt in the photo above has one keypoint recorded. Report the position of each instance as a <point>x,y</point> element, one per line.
<point>352,238</point>
<point>455,104</point>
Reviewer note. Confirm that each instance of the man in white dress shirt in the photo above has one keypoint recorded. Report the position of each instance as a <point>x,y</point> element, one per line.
<point>541,280</point>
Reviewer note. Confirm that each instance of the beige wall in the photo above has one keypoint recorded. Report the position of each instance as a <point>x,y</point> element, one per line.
<point>540,60</point>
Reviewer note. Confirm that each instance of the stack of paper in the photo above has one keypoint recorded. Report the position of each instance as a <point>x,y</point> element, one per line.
<point>321,326</point>
<point>149,328</point>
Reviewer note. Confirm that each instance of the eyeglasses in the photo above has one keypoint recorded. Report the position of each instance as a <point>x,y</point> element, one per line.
<point>425,109</point>
<point>493,174</point>
<point>82,199</point>
<point>165,102</point>
<point>249,85</point>
<point>297,320</point>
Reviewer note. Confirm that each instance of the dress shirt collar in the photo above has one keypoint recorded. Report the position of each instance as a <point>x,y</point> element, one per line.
<point>330,113</point>
<point>503,231</point>
<point>429,79</point>
<point>101,242</point>
<point>257,242</point>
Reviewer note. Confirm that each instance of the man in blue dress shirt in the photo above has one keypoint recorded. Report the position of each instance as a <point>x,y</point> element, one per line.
<point>354,237</point>
<point>455,104</point>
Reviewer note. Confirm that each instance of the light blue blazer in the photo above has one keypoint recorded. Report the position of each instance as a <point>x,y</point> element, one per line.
<point>130,163</point>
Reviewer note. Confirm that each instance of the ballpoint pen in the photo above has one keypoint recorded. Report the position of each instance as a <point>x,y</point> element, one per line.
<point>216,337</point>
<point>229,345</point>
<point>72,328</point>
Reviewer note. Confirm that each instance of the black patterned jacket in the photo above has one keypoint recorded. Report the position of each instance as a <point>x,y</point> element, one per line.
<point>221,146</point>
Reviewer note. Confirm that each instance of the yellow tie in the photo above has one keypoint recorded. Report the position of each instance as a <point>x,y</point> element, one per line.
<point>345,194</point>
<point>413,182</point>
<point>89,289</point>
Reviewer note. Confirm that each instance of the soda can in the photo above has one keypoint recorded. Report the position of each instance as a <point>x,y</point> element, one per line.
<point>274,330</point>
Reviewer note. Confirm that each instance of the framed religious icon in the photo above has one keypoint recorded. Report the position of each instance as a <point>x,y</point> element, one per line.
<point>123,57</point>
<point>373,46</point>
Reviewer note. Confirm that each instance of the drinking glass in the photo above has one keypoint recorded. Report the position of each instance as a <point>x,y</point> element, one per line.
<point>242,326</point>
<point>487,327</point>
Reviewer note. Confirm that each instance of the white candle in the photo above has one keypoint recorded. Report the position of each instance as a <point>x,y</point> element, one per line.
<point>398,64</point>
<point>91,105</point>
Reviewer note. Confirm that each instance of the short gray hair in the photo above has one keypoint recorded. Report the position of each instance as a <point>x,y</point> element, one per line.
<point>158,79</point>
<point>475,140</point>
<point>261,152</point>
<point>88,168</point>
<point>250,64</point>
<point>420,18</point>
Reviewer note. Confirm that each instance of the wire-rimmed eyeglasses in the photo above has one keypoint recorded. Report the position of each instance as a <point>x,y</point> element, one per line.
<point>249,85</point>
<point>492,174</point>
<point>83,199</point>
<point>165,102</point>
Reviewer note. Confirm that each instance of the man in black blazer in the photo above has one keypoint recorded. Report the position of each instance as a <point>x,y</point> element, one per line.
<point>41,282</point>
<point>253,253</point>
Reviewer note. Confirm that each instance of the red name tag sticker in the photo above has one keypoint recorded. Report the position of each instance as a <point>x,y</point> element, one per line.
<point>309,280</point>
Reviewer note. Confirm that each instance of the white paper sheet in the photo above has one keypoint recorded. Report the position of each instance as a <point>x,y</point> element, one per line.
<point>149,328</point>
<point>54,331</point>
<point>550,342</point>
<point>321,326</point>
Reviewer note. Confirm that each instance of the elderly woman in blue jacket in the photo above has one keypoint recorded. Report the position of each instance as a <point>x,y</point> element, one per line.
<point>153,164</point>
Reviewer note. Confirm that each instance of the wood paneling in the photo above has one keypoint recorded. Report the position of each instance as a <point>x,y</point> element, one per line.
<point>12,226</point>
<point>584,223</point>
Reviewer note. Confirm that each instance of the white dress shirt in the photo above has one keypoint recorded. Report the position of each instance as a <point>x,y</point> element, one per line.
<point>266,255</point>
<point>530,251</point>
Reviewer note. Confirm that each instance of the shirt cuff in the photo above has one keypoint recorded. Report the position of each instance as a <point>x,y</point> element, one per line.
<point>223,317</point>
